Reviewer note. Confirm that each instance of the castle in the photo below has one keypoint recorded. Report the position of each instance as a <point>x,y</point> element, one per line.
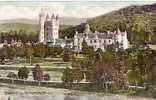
<point>49,28</point>
<point>49,33</point>
<point>100,40</point>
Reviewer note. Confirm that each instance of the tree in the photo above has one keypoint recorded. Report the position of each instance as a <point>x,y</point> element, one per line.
<point>78,75</point>
<point>66,55</point>
<point>67,77</point>
<point>12,75</point>
<point>3,52</point>
<point>20,51</point>
<point>37,73</point>
<point>40,50</point>
<point>98,55</point>
<point>23,73</point>
<point>11,52</point>
<point>46,77</point>
<point>85,48</point>
<point>29,52</point>
<point>133,76</point>
<point>55,50</point>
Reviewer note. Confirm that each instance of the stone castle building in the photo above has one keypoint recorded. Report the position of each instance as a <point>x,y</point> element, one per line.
<point>100,40</point>
<point>49,28</point>
<point>49,33</point>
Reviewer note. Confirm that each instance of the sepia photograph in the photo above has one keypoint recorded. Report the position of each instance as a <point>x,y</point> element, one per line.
<point>77,50</point>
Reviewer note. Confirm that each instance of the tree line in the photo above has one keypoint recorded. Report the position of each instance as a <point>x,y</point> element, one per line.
<point>114,69</point>
<point>23,73</point>
<point>22,35</point>
<point>35,50</point>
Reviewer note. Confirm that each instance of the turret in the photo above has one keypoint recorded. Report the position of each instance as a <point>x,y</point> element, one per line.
<point>53,16</point>
<point>76,38</point>
<point>125,40</point>
<point>42,16</point>
<point>87,28</point>
<point>47,17</point>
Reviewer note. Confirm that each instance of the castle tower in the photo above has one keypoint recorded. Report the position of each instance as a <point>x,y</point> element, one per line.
<point>55,26</point>
<point>125,40</point>
<point>41,23</point>
<point>122,39</point>
<point>87,28</point>
<point>49,28</point>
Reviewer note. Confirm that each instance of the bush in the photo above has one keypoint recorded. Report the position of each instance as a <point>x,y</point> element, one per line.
<point>67,76</point>
<point>66,55</point>
<point>20,51</point>
<point>23,73</point>
<point>11,52</point>
<point>37,73</point>
<point>55,51</point>
<point>12,75</point>
<point>46,77</point>
<point>40,50</point>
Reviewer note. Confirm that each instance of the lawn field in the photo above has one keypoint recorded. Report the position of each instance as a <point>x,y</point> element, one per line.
<point>52,66</point>
<point>44,63</point>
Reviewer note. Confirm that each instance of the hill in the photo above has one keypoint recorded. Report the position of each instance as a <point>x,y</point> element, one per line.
<point>63,21</point>
<point>6,27</point>
<point>31,25</point>
<point>139,21</point>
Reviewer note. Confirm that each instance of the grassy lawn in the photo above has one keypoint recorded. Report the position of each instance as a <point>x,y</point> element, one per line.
<point>47,63</point>
<point>53,66</point>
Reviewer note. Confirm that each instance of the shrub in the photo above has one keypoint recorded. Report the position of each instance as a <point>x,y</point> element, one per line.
<point>12,75</point>
<point>37,73</point>
<point>23,73</point>
<point>46,77</point>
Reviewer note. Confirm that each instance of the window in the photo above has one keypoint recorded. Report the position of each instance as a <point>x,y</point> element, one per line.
<point>109,41</point>
<point>91,41</point>
<point>104,41</point>
<point>100,41</point>
<point>94,41</point>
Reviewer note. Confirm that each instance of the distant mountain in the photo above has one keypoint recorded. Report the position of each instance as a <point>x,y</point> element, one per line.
<point>6,27</point>
<point>124,14</point>
<point>136,20</point>
<point>63,21</point>
<point>32,24</point>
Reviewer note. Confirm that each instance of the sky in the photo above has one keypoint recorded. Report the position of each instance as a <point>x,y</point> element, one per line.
<point>30,9</point>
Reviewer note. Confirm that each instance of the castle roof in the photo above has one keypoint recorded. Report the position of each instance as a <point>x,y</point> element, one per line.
<point>99,35</point>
